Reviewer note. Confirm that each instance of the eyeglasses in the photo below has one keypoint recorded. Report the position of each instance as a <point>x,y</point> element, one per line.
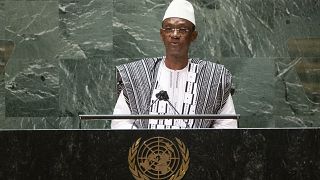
<point>181,31</point>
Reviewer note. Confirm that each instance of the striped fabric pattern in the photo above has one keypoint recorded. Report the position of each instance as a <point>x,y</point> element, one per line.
<point>181,88</point>
<point>213,87</point>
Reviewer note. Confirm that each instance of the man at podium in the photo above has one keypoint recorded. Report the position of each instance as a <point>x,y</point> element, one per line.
<point>175,84</point>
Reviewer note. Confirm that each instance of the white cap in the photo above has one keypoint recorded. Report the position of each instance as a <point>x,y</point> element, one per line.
<point>180,9</point>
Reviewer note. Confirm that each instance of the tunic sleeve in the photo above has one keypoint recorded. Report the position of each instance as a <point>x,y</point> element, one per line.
<point>121,107</point>
<point>228,108</point>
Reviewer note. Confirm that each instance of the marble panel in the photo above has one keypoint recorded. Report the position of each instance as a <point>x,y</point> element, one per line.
<point>253,81</point>
<point>260,28</point>
<point>2,98</point>
<point>87,24</point>
<point>227,28</point>
<point>39,123</point>
<point>2,18</point>
<point>87,81</point>
<point>270,93</point>
<point>136,28</point>
<point>33,91</point>
<point>31,73</point>
<point>297,96</point>
<point>2,92</point>
<point>87,87</point>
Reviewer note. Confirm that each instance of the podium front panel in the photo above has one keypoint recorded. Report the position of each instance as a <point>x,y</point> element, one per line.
<point>193,154</point>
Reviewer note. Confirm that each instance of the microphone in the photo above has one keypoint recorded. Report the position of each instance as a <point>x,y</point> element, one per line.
<point>161,96</point>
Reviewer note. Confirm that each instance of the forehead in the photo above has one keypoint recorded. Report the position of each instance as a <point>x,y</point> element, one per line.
<point>177,22</point>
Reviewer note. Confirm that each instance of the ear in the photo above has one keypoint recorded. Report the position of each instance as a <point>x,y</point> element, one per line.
<point>194,35</point>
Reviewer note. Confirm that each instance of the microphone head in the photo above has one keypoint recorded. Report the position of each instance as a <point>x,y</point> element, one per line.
<point>162,95</point>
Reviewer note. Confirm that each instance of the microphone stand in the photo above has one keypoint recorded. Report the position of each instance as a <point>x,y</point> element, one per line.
<point>163,95</point>
<point>134,122</point>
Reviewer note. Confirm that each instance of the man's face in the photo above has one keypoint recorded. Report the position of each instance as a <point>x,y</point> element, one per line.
<point>177,35</point>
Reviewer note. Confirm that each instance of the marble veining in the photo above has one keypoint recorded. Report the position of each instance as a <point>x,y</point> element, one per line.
<point>65,53</point>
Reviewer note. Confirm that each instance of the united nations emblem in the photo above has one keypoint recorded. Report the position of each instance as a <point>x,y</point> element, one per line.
<point>158,158</point>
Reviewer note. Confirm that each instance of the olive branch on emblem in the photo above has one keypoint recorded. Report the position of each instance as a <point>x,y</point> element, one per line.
<point>132,159</point>
<point>138,175</point>
<point>185,161</point>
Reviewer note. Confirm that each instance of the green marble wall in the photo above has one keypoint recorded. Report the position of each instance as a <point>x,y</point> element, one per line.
<point>65,52</point>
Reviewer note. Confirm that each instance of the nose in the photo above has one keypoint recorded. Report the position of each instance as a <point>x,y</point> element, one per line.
<point>175,33</point>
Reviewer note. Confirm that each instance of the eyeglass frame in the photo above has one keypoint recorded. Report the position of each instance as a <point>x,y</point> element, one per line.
<point>181,31</point>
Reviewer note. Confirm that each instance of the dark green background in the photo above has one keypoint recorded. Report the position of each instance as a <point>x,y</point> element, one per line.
<point>66,50</point>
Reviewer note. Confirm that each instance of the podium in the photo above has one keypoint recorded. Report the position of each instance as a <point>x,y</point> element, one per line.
<point>212,153</point>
